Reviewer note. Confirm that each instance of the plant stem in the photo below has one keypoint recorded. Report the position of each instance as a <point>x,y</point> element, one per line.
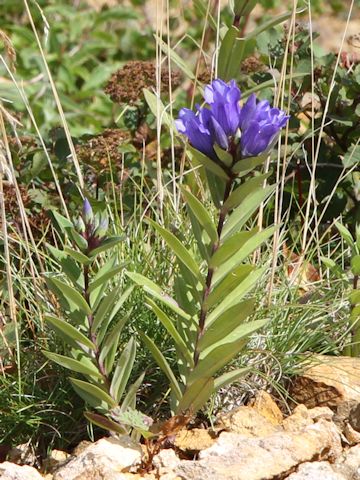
<point>210,273</point>
<point>92,334</point>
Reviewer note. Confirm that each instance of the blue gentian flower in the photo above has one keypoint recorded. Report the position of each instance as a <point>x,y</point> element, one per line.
<point>260,125</point>
<point>223,122</point>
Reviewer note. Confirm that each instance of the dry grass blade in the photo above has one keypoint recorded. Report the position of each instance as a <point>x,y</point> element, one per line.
<point>9,280</point>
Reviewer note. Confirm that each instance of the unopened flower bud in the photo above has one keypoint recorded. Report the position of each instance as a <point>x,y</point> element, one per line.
<point>87,213</point>
<point>80,225</point>
<point>102,229</point>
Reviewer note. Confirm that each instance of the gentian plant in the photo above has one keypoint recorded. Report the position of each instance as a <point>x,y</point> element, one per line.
<point>90,322</point>
<point>208,320</point>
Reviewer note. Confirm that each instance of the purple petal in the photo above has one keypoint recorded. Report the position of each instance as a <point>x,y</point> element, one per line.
<point>218,134</point>
<point>247,112</point>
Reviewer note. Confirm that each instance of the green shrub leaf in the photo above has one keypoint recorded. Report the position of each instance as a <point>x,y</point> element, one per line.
<point>208,164</point>
<point>72,295</point>
<point>123,370</point>
<point>70,331</point>
<point>151,288</point>
<point>196,395</point>
<point>247,207</point>
<point>105,423</point>
<point>226,323</point>
<point>201,213</point>
<point>170,327</point>
<point>163,364</point>
<point>93,394</point>
<point>230,377</point>
<point>179,250</point>
<point>72,364</point>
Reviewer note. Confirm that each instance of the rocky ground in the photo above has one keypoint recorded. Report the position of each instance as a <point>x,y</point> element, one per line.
<point>319,440</point>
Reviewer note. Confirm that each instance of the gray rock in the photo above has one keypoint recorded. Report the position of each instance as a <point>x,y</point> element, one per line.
<point>348,463</point>
<point>238,457</point>
<point>11,471</point>
<point>106,458</point>
<point>316,471</point>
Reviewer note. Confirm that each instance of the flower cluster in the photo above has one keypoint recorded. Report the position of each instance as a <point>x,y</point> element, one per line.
<point>254,127</point>
<point>92,228</point>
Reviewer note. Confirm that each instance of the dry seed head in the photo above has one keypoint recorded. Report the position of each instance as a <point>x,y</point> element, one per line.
<point>126,85</point>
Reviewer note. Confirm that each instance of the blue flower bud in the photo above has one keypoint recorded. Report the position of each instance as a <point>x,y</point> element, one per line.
<point>87,212</point>
<point>102,229</point>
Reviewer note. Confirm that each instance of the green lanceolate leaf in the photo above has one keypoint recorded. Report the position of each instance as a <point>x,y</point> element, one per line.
<point>238,195</point>
<point>217,356</point>
<point>108,349</point>
<point>176,59</point>
<point>263,86</point>
<point>105,307</point>
<point>207,163</point>
<point>106,244</point>
<point>202,238</point>
<point>242,48</point>
<point>163,364</point>
<point>69,331</point>
<point>97,293</point>
<point>272,23</point>
<point>130,397</point>
<point>345,234</point>
<point>230,377</point>
<point>225,157</point>
<point>227,45</point>
<point>203,9</point>
<point>217,188</point>
<point>227,266</point>
<point>355,297</point>
<point>157,108</point>
<point>115,310</point>
<point>243,7</point>
<point>62,221</point>
<point>196,395</point>
<point>187,296</point>
<point>105,423</point>
<point>234,297</point>
<point>246,165</point>
<point>201,214</point>
<point>171,329</point>
<point>223,287</point>
<point>78,256</point>
<point>183,255</point>
<point>105,277</point>
<point>123,370</point>
<point>72,364</point>
<point>79,240</point>
<point>355,264</point>
<point>93,394</point>
<point>68,266</point>
<point>228,248</point>
<point>151,288</point>
<point>72,295</point>
<point>226,323</point>
<point>243,212</point>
